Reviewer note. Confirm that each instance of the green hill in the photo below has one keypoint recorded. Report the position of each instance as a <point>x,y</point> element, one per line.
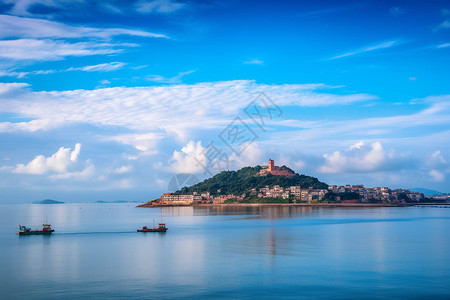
<point>243,180</point>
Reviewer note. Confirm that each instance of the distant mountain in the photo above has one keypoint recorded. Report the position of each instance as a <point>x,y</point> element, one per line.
<point>243,180</point>
<point>426,192</point>
<point>47,201</point>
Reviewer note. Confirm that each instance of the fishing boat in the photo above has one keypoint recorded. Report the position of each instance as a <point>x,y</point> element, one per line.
<point>161,228</point>
<point>46,229</point>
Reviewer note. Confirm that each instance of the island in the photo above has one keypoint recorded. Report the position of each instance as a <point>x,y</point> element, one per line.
<point>47,201</point>
<point>280,185</point>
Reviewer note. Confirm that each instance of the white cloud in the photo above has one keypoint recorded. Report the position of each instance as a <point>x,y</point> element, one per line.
<point>158,6</point>
<point>160,118</point>
<point>105,82</point>
<point>444,25</point>
<point>436,159</point>
<point>10,73</point>
<point>30,126</point>
<point>30,28</point>
<point>106,67</point>
<point>357,145</point>
<point>395,129</point>
<point>436,175</point>
<point>32,49</point>
<point>75,153</point>
<point>123,169</point>
<point>37,39</point>
<point>254,62</point>
<point>57,163</point>
<point>379,46</point>
<point>162,79</point>
<point>85,174</point>
<point>445,45</point>
<point>21,7</point>
<point>144,142</point>
<point>438,165</point>
<point>6,88</point>
<point>252,155</point>
<point>356,159</point>
<point>13,73</point>
<point>111,8</point>
<point>174,110</point>
<point>191,159</point>
<point>180,113</point>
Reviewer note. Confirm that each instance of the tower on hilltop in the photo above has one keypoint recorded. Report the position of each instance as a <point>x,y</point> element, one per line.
<point>271,165</point>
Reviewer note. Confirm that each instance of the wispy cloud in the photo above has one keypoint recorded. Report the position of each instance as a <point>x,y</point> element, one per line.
<point>23,74</point>
<point>21,7</point>
<point>20,27</point>
<point>158,6</point>
<point>444,25</point>
<point>332,10</point>
<point>175,79</point>
<point>254,61</point>
<point>11,73</point>
<point>383,45</point>
<point>25,7</point>
<point>111,8</point>
<point>106,67</point>
<point>445,45</point>
<point>32,49</point>
<point>396,10</point>
<point>37,39</point>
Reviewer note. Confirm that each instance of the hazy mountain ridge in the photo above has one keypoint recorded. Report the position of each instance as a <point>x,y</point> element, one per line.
<point>426,192</point>
<point>47,201</point>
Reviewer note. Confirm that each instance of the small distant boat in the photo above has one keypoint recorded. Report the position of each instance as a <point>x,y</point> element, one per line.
<point>46,229</point>
<point>161,228</point>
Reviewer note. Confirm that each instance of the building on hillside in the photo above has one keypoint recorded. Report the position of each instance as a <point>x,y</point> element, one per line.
<point>171,199</point>
<point>271,165</point>
<point>275,170</point>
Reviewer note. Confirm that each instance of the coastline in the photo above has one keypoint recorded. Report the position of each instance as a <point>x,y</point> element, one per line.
<point>146,205</point>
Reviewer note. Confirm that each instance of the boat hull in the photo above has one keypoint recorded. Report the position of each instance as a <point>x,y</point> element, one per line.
<point>153,230</point>
<point>47,232</point>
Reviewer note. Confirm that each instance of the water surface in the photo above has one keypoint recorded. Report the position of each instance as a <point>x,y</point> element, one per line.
<point>283,252</point>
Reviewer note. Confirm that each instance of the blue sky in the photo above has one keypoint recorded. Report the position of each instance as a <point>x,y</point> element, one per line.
<point>109,100</point>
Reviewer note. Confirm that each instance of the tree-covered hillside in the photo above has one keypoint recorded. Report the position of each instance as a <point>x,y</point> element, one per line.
<point>243,180</point>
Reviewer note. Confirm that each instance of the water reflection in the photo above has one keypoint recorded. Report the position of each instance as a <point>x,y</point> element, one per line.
<point>275,211</point>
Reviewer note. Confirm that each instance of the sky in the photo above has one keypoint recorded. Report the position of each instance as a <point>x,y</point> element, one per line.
<point>116,100</point>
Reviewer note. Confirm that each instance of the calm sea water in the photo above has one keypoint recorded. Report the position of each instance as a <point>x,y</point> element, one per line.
<point>278,252</point>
